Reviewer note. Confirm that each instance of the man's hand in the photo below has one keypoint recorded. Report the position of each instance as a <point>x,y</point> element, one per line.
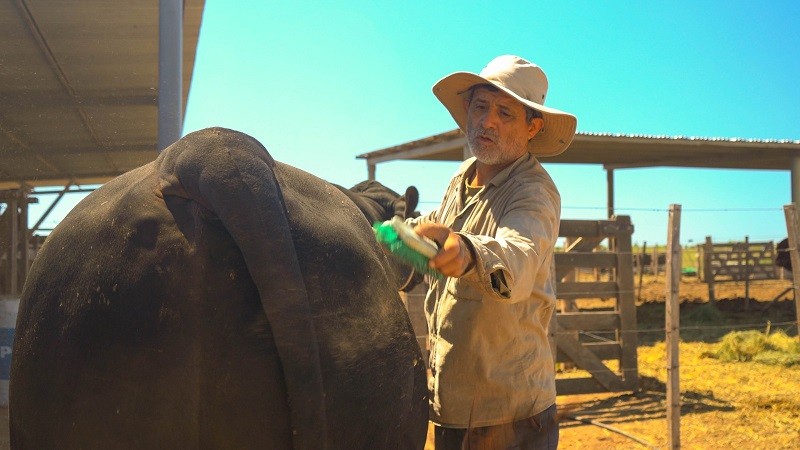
<point>454,257</point>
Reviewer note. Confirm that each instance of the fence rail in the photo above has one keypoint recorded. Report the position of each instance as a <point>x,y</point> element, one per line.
<point>574,334</point>
<point>573,345</point>
<point>736,261</point>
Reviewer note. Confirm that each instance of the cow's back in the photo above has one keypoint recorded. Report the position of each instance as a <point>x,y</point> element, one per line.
<point>141,325</point>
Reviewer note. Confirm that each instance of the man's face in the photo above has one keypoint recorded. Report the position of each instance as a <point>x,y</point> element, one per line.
<point>497,130</point>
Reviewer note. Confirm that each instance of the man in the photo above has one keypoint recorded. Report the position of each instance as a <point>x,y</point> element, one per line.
<point>492,378</point>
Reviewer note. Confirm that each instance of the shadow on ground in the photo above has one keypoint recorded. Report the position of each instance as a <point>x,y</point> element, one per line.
<point>647,404</point>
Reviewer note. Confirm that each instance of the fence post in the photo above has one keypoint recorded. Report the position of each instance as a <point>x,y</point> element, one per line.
<point>747,273</point>
<point>672,319</point>
<point>793,227</point>
<point>642,252</point>
<point>626,305</point>
<point>708,251</point>
<point>654,262</point>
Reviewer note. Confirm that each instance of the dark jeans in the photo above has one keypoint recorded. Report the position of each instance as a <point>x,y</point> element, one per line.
<point>539,432</point>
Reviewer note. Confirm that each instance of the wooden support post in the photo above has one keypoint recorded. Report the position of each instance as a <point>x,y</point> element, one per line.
<point>567,305</point>
<point>793,227</point>
<point>24,240</point>
<point>5,244</point>
<point>672,318</point>
<point>708,270</point>
<point>13,253</point>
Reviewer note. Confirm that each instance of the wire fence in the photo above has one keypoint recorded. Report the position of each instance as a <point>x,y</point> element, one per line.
<point>700,335</point>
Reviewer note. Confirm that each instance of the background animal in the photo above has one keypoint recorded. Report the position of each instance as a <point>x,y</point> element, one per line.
<point>215,298</point>
<point>782,256</point>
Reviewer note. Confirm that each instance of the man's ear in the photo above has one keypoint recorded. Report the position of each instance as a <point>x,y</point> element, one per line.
<point>535,126</point>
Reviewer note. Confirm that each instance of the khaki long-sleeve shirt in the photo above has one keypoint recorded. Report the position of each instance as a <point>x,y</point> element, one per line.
<point>490,357</point>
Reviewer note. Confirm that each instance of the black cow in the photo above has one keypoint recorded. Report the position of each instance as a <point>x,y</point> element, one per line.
<point>782,256</point>
<point>215,298</point>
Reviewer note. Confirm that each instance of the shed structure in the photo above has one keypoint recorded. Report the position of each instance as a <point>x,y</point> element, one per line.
<point>87,90</point>
<point>602,341</point>
<point>621,151</point>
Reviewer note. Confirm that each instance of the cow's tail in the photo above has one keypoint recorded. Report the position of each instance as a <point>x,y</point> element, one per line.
<point>232,175</point>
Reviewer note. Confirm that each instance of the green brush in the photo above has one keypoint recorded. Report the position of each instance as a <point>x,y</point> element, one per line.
<point>397,237</point>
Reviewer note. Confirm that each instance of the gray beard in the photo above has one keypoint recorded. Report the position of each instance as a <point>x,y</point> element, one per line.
<point>490,157</point>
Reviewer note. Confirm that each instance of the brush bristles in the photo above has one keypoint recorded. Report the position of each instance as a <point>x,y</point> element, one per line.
<point>388,237</point>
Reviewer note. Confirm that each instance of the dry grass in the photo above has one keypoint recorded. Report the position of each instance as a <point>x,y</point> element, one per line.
<point>741,405</point>
<point>725,405</point>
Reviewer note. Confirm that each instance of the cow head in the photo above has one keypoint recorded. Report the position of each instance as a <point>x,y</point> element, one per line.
<point>379,203</point>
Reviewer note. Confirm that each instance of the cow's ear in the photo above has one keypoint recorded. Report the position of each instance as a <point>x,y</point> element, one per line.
<point>411,201</point>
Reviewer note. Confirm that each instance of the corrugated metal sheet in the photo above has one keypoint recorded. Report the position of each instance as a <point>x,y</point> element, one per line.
<point>79,88</point>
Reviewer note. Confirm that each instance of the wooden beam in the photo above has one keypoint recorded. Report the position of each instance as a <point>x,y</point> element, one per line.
<point>16,140</point>
<point>58,99</point>
<point>586,360</point>
<point>724,161</point>
<point>566,262</point>
<point>604,350</point>
<point>456,144</point>
<point>579,228</point>
<point>588,321</point>
<point>626,303</point>
<point>594,289</point>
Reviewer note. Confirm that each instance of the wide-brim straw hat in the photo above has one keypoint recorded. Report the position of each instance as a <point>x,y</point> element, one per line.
<point>525,82</point>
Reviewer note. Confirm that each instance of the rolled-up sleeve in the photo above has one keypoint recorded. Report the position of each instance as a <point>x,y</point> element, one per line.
<point>509,263</point>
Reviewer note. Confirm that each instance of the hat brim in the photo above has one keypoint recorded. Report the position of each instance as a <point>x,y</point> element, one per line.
<point>559,126</point>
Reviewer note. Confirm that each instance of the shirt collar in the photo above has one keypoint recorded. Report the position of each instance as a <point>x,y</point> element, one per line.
<point>526,160</point>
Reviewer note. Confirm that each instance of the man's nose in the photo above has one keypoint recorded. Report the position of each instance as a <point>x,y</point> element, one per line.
<point>489,119</point>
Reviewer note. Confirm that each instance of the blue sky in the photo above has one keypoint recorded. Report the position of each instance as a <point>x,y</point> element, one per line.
<point>320,82</point>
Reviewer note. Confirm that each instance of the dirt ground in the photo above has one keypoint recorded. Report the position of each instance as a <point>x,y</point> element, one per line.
<point>724,405</point>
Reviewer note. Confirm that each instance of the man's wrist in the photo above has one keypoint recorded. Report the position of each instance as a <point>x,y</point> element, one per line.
<point>469,254</point>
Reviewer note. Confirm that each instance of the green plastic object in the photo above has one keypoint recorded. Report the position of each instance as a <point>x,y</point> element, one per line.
<point>394,236</point>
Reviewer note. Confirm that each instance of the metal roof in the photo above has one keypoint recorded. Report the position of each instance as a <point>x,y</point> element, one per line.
<point>620,151</point>
<point>79,88</point>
